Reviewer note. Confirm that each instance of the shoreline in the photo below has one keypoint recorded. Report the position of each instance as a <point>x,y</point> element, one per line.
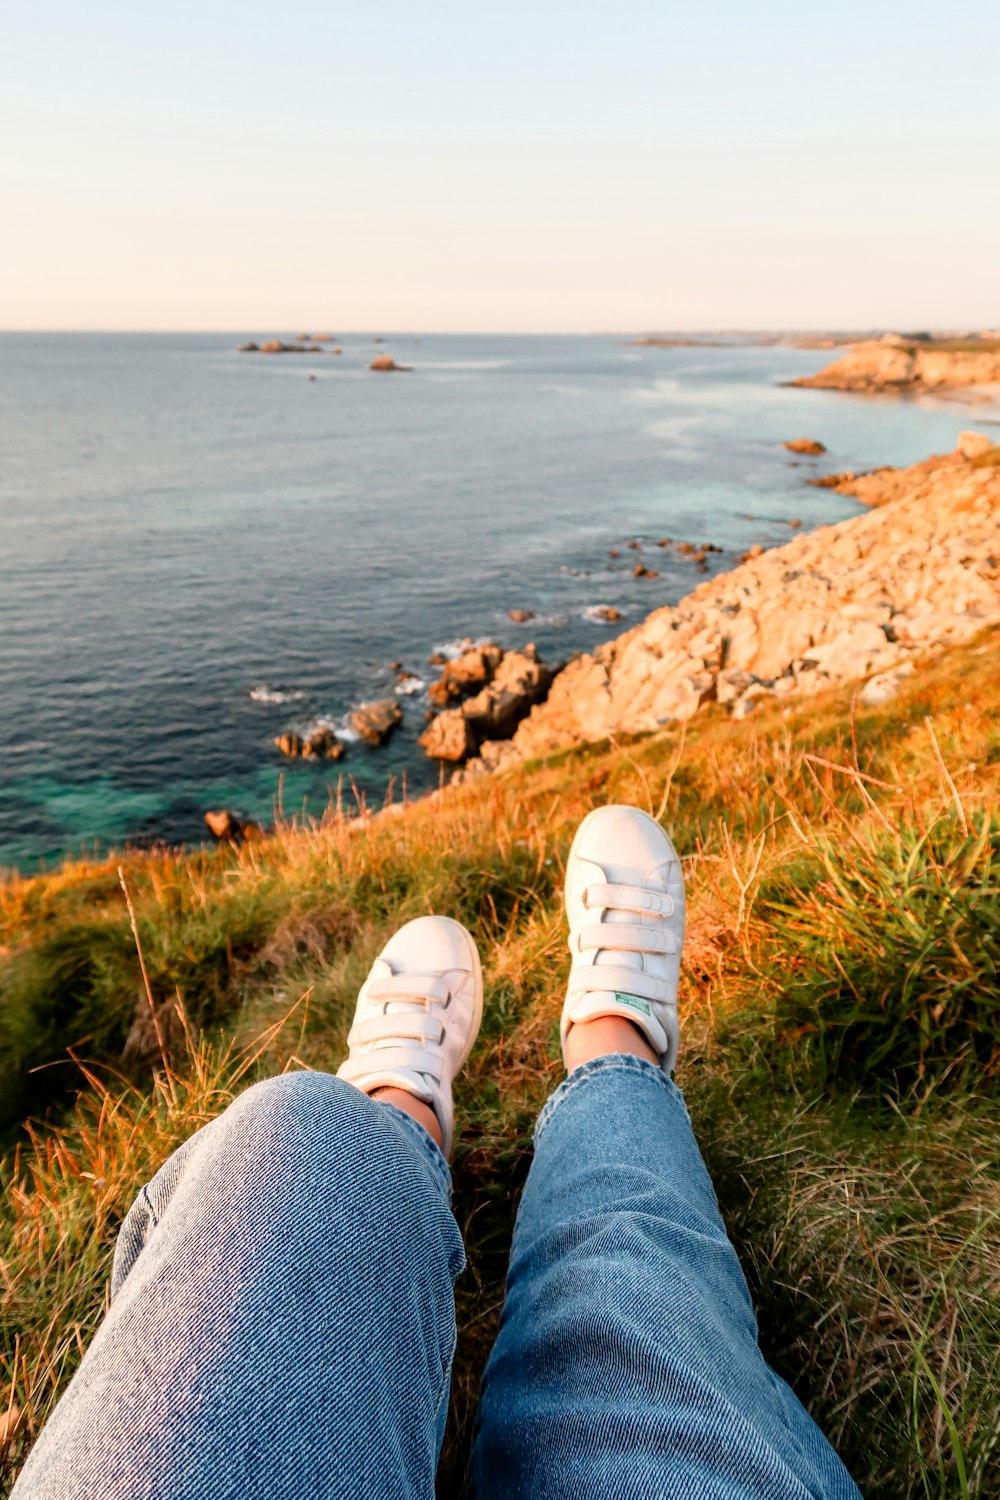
<point>858,600</point>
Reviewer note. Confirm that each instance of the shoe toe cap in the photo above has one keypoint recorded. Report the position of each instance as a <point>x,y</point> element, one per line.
<point>430,945</point>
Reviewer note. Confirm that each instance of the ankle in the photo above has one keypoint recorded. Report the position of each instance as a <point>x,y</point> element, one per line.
<point>603,1036</point>
<point>412,1106</point>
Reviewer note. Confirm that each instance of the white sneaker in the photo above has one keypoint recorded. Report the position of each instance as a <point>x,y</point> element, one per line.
<point>625,903</point>
<point>418,1016</point>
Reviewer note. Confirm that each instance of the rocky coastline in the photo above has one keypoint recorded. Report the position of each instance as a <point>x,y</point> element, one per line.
<point>913,366</point>
<point>861,600</point>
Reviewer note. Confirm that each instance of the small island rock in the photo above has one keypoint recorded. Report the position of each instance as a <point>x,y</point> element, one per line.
<point>805,445</point>
<point>317,743</point>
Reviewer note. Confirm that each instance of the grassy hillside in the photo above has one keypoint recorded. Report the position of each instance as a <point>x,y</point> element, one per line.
<point>841,1040</point>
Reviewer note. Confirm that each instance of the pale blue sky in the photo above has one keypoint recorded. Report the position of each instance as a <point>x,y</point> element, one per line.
<point>546,166</point>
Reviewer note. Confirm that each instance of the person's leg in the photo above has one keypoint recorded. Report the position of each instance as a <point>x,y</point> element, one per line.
<point>282,1321</point>
<point>627,1361</point>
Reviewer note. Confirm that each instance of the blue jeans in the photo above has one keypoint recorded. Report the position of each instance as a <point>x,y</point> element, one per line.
<point>282,1321</point>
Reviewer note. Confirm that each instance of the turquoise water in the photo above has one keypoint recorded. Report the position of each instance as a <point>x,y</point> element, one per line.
<point>181,525</point>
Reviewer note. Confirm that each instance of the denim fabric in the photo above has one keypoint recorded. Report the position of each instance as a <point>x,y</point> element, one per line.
<point>627,1362</point>
<point>282,1321</point>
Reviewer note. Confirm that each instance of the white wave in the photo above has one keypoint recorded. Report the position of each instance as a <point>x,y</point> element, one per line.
<point>409,687</point>
<point>594,613</point>
<point>452,650</point>
<point>265,694</point>
<point>540,622</point>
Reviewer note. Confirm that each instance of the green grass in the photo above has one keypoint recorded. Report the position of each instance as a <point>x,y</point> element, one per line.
<point>973,345</point>
<point>841,1018</point>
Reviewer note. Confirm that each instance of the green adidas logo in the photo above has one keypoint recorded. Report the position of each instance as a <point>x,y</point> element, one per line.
<point>634,1003</point>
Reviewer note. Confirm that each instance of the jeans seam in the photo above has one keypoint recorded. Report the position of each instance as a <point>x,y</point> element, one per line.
<point>613,1062</point>
<point>149,1208</point>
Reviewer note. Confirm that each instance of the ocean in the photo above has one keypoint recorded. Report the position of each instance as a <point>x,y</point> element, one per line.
<point>200,549</point>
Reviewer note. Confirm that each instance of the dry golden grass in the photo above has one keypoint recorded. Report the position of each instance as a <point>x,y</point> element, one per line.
<point>864,1204</point>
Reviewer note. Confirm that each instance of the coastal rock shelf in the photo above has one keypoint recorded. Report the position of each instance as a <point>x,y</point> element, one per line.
<point>897,364</point>
<point>855,600</point>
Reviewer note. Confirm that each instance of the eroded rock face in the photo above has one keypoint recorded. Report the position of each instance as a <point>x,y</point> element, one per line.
<point>521,680</point>
<point>916,574</point>
<point>513,681</point>
<point>448,737</point>
<point>374,722</point>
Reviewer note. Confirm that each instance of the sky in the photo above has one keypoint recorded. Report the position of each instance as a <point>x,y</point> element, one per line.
<point>542,166</point>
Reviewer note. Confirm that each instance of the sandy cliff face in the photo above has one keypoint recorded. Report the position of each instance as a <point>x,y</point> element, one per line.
<point>853,600</point>
<point>877,366</point>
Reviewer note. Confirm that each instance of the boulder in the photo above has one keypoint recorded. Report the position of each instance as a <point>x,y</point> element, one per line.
<point>223,823</point>
<point>248,348</point>
<point>386,362</point>
<point>466,674</point>
<point>374,722</point>
<point>641,571</point>
<point>974,444</point>
<point>606,612</point>
<point>805,445</point>
<point>521,616</point>
<point>448,737</point>
<point>275,346</point>
<point>317,743</point>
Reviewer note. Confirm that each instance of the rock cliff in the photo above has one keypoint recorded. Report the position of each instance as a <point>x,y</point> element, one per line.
<point>859,599</point>
<point>900,365</point>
